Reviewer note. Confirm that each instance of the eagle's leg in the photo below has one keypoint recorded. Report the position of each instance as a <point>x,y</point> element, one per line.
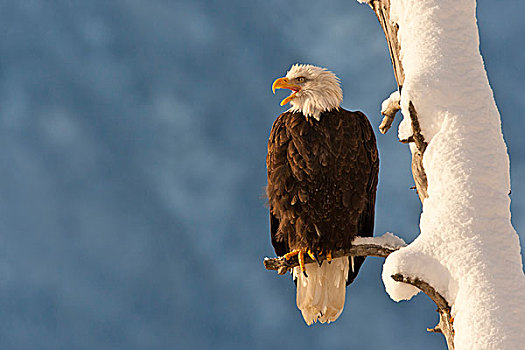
<point>291,254</point>
<point>300,256</point>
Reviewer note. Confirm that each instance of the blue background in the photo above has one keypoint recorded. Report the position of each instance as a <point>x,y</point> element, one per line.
<point>132,167</point>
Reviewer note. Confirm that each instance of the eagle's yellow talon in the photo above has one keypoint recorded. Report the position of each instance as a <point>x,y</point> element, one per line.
<point>315,256</point>
<point>311,255</point>
<point>300,256</point>
<point>329,256</point>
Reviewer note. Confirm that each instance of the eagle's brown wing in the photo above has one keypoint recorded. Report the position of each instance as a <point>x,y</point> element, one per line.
<point>366,220</point>
<point>276,161</point>
<point>322,178</point>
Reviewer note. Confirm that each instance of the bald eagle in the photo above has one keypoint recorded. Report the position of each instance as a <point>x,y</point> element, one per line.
<point>322,176</point>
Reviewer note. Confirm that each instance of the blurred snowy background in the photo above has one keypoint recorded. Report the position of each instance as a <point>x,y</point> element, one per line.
<point>132,154</point>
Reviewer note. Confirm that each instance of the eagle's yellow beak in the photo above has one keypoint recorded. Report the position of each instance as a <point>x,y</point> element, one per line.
<point>284,83</point>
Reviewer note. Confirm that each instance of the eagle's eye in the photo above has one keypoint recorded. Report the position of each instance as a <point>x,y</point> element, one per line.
<point>301,79</point>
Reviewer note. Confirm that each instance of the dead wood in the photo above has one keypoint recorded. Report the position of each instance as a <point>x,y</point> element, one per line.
<point>282,265</point>
<point>382,10</point>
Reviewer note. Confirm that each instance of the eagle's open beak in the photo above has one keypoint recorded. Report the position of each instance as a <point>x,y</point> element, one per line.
<point>284,83</point>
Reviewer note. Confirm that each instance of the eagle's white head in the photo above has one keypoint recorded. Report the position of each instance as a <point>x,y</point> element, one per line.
<point>314,90</point>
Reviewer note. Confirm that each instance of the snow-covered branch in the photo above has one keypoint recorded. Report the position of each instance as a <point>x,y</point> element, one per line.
<point>389,108</point>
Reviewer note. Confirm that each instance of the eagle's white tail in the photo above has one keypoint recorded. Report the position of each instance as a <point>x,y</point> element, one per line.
<point>321,295</point>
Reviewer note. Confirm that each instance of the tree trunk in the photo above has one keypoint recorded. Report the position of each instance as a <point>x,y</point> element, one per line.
<point>382,11</point>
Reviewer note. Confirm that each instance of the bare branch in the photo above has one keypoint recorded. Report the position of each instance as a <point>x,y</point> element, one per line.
<point>424,287</point>
<point>445,325</point>
<point>282,265</point>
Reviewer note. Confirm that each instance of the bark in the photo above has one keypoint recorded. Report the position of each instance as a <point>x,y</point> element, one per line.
<point>382,11</point>
<point>418,172</point>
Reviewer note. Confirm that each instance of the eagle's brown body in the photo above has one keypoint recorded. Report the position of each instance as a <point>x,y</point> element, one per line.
<point>322,179</point>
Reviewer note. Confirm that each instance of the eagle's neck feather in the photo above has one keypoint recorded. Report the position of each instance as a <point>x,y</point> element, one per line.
<point>312,103</point>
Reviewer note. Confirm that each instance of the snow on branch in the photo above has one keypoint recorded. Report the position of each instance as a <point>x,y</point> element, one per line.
<point>389,108</point>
